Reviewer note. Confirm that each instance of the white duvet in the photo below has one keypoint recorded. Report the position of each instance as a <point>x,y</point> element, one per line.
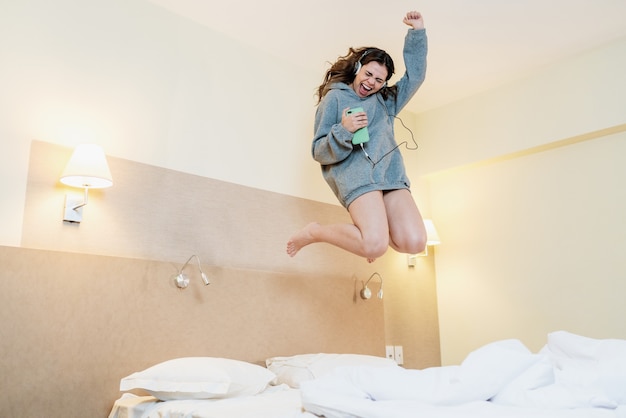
<point>570,377</point>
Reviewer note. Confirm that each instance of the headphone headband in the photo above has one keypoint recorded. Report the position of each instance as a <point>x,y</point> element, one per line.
<point>358,65</point>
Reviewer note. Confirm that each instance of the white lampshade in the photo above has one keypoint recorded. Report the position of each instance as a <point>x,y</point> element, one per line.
<point>431,233</point>
<point>87,168</point>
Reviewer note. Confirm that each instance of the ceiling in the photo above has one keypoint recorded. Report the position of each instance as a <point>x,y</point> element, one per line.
<point>474,45</point>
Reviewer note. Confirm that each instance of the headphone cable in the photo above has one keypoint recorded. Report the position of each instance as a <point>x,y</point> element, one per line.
<point>405,143</point>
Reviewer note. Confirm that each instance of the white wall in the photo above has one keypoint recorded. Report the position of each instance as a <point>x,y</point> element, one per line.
<point>152,87</point>
<point>527,192</point>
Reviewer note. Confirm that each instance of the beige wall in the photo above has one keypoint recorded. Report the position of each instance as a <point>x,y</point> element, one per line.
<point>152,87</point>
<point>411,316</point>
<point>163,91</point>
<point>533,245</point>
<point>160,91</point>
<point>577,96</point>
<point>159,214</point>
<point>74,324</point>
<point>526,189</point>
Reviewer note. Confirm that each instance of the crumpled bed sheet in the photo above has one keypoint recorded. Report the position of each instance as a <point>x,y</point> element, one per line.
<point>572,376</point>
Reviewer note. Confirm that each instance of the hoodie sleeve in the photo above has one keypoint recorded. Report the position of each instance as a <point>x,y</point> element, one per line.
<point>332,143</point>
<point>414,54</point>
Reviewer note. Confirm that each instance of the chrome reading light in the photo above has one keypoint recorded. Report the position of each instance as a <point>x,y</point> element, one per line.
<point>366,293</point>
<point>86,169</point>
<point>182,280</point>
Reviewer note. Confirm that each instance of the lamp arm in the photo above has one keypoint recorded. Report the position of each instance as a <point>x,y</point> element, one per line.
<point>375,274</point>
<point>85,200</point>
<point>186,262</point>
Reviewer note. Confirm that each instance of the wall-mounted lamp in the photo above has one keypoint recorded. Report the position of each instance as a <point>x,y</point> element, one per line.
<point>182,280</point>
<point>87,169</point>
<point>432,239</point>
<point>366,293</point>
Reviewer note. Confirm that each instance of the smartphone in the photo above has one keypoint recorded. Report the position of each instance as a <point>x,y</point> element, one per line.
<point>360,135</point>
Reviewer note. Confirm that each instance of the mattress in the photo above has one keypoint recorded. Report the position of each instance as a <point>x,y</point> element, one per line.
<point>275,402</point>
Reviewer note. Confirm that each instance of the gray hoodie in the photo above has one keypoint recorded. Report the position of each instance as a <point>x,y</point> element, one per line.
<point>346,169</point>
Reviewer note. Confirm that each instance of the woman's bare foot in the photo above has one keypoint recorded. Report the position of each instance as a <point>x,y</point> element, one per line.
<point>301,239</point>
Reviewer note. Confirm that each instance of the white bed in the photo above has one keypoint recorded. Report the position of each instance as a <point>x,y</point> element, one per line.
<point>571,377</point>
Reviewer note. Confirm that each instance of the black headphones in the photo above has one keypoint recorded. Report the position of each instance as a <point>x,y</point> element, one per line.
<point>358,66</point>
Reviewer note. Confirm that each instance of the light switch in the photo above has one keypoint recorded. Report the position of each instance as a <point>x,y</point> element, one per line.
<point>389,352</point>
<point>398,355</point>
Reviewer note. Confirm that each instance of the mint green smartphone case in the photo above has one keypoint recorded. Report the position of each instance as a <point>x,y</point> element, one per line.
<point>361,135</point>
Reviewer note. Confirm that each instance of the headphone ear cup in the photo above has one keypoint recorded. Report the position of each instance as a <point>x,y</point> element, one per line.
<point>357,67</point>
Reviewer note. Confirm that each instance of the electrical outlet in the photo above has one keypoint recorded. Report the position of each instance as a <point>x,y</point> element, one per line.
<point>389,352</point>
<point>398,355</point>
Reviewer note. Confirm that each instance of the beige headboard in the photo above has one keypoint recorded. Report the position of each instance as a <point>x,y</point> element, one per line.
<point>74,324</point>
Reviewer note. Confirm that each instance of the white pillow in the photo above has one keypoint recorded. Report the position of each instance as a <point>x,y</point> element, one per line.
<point>199,378</point>
<point>302,367</point>
<point>592,366</point>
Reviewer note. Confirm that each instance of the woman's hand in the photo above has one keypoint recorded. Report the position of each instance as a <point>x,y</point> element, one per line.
<point>414,19</point>
<point>354,121</point>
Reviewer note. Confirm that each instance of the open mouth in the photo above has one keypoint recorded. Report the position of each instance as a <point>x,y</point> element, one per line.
<point>365,90</point>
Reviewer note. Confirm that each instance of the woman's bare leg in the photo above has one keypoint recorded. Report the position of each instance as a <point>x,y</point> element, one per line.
<point>407,233</point>
<point>367,237</point>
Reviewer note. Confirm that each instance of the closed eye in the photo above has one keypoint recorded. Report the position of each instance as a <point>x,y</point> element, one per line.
<point>378,80</point>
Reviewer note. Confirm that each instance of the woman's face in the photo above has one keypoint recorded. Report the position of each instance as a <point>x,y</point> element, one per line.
<point>369,79</point>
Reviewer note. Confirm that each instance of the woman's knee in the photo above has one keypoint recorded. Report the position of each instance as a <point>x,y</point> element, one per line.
<point>411,244</point>
<point>375,247</point>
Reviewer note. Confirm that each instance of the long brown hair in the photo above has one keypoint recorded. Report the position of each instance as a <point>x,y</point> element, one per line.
<point>345,68</point>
